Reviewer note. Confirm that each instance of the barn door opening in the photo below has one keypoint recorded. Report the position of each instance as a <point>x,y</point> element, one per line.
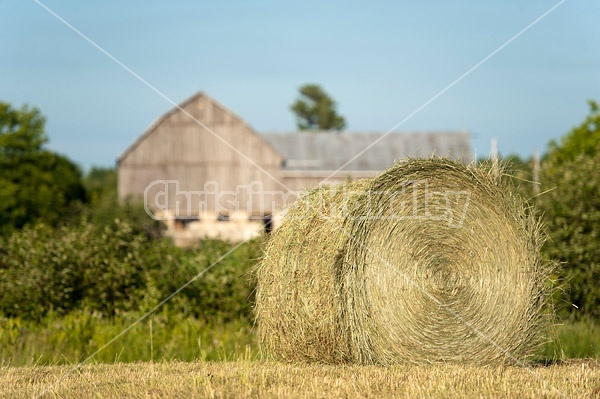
<point>182,223</point>
<point>268,223</point>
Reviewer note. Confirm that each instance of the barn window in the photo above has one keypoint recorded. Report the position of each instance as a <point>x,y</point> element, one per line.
<point>223,218</point>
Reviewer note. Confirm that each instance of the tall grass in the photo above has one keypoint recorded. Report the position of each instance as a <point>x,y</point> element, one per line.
<point>164,336</point>
<point>575,339</point>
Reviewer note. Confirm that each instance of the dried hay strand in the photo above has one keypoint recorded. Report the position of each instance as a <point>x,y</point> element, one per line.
<point>298,307</point>
<point>443,266</point>
<point>431,261</point>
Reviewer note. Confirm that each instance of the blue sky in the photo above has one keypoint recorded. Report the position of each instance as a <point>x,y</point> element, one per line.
<point>380,61</point>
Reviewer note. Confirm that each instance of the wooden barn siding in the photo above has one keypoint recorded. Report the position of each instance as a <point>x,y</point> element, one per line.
<point>180,149</point>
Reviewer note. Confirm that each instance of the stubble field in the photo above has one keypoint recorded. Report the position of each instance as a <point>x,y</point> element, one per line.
<point>255,379</point>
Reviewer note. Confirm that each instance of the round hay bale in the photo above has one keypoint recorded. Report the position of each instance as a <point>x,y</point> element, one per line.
<point>298,306</point>
<point>442,264</point>
<point>431,261</point>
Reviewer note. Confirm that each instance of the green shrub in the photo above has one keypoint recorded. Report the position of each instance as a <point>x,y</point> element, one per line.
<point>222,288</point>
<point>113,264</point>
<point>571,210</point>
<point>572,216</point>
<point>43,270</point>
<point>116,270</point>
<point>39,273</point>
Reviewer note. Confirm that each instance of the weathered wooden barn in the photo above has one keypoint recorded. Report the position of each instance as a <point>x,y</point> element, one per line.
<point>206,172</point>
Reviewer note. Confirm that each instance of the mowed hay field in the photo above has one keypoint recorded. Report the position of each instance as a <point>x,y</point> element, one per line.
<point>245,379</point>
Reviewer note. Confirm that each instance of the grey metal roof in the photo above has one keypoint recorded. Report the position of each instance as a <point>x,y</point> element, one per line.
<point>331,150</point>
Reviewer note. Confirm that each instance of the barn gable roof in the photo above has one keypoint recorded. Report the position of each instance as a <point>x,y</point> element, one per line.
<point>331,150</point>
<point>182,106</point>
